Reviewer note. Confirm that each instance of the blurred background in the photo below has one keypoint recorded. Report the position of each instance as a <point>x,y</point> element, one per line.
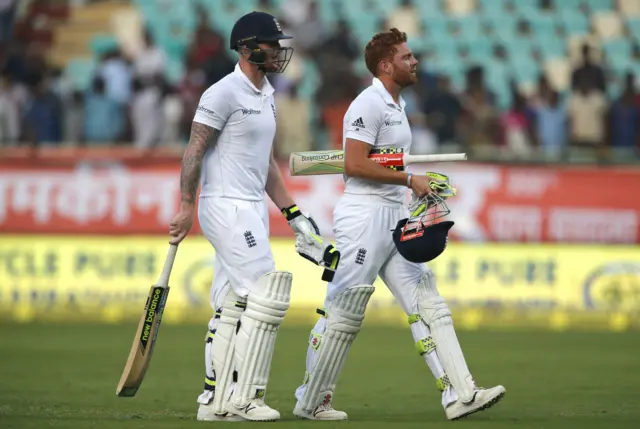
<point>97,98</point>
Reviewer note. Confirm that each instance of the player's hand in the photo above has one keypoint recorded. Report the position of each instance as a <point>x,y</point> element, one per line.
<point>181,224</point>
<point>420,185</point>
<point>310,244</point>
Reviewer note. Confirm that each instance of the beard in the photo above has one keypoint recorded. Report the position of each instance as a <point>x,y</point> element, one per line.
<point>405,78</point>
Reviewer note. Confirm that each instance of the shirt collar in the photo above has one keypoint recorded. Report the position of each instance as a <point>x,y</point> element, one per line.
<point>267,89</point>
<point>377,84</point>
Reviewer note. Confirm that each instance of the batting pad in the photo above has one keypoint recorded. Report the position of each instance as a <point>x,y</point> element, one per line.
<point>344,314</point>
<point>222,348</point>
<point>267,305</point>
<point>435,312</point>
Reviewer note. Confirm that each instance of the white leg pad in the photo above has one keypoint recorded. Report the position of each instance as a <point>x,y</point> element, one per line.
<point>222,348</point>
<point>435,312</point>
<point>267,305</point>
<point>345,315</point>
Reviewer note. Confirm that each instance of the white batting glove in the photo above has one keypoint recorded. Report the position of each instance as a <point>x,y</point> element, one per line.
<point>310,244</point>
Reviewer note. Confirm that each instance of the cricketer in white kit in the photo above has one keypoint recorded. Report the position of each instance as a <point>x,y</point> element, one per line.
<point>230,154</point>
<point>364,217</point>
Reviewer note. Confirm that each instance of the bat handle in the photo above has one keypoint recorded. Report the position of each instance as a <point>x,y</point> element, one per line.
<point>168,265</point>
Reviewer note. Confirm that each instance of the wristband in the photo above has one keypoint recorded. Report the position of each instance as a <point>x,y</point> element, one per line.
<point>291,213</point>
<point>409,180</point>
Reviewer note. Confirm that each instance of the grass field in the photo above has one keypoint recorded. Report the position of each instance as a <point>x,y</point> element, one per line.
<point>64,376</point>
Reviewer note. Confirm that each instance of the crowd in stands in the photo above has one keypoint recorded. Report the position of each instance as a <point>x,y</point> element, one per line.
<point>131,101</point>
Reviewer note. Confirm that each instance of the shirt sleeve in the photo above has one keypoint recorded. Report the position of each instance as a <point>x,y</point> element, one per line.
<point>362,122</point>
<point>214,108</point>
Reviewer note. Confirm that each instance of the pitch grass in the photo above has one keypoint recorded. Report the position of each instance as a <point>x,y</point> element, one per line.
<point>64,376</point>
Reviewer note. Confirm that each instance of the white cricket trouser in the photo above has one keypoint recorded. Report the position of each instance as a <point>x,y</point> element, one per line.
<point>239,232</point>
<point>363,227</point>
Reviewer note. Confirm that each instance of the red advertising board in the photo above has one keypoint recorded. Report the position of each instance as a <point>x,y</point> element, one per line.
<point>494,203</point>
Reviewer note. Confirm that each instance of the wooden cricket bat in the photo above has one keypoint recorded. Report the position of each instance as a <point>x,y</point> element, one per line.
<point>332,161</point>
<point>148,328</point>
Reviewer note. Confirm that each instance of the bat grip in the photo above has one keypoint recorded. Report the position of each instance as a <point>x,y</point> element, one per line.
<point>168,265</point>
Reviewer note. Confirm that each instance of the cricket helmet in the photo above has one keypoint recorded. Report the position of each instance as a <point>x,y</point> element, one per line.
<point>422,236</point>
<point>260,27</point>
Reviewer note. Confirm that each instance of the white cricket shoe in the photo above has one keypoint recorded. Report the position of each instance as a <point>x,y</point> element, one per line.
<point>483,399</point>
<point>205,413</point>
<point>324,411</point>
<point>256,410</point>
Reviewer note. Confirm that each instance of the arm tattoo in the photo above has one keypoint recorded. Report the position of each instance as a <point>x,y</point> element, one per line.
<point>202,138</point>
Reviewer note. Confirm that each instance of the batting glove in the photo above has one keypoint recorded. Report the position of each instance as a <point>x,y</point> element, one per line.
<point>310,244</point>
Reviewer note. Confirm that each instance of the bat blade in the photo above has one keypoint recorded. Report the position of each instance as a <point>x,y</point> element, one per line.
<point>144,340</point>
<point>312,163</point>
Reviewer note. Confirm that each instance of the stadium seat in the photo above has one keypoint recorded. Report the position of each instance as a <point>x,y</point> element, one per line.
<point>102,43</point>
<point>80,72</point>
<point>599,5</point>
<point>633,25</point>
<point>574,22</point>
<point>525,70</point>
<point>470,27</point>
<point>629,8</point>
<point>607,25</point>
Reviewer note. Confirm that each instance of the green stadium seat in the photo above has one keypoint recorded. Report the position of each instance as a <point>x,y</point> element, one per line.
<point>480,48</point>
<point>80,72</point>
<point>525,70</point>
<point>102,43</point>
<point>470,27</point>
<point>429,9</point>
<point>633,25</point>
<point>599,5</point>
<point>574,22</point>
<point>492,7</point>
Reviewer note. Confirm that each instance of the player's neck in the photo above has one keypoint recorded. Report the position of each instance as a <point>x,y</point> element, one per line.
<point>255,76</point>
<point>392,88</point>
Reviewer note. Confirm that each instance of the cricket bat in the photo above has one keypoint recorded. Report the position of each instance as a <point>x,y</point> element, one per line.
<point>332,161</point>
<point>145,338</point>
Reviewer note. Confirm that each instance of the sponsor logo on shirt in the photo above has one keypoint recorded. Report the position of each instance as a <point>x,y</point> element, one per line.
<point>250,112</point>
<point>392,123</point>
<point>205,110</point>
<point>358,123</point>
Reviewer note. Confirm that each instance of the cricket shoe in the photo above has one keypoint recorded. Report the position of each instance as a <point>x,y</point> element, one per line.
<point>206,413</point>
<point>324,411</point>
<point>482,400</point>
<point>256,410</point>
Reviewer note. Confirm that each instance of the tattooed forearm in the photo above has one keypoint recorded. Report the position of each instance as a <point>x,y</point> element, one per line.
<point>202,138</point>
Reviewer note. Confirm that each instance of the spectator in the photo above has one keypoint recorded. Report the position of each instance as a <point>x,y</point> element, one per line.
<point>293,116</point>
<point>587,108</point>
<point>147,116</point>
<point>151,61</point>
<point>9,113</point>
<point>43,121</point>
<point>7,12</point>
<point>551,125</point>
<point>117,75</point>
<point>542,93</point>
<point>481,124</point>
<point>624,118</point>
<point>309,33</point>
<point>516,127</point>
<point>444,110</point>
<point>74,119</point>
<point>190,90</point>
<point>405,17</point>
<point>423,140</point>
<point>590,69</point>
<point>172,112</point>
<point>339,46</point>
<point>104,118</point>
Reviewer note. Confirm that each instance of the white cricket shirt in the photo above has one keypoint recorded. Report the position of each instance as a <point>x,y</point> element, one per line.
<point>374,118</point>
<point>238,165</point>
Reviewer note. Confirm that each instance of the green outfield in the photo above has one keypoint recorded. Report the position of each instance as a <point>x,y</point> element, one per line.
<point>64,376</point>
